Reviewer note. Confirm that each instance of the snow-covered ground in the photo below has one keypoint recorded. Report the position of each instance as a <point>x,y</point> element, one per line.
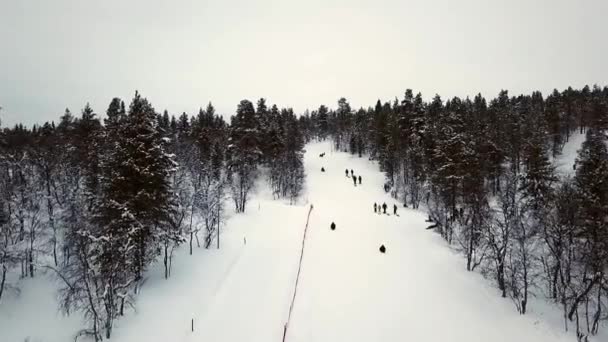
<point>566,159</point>
<point>348,291</point>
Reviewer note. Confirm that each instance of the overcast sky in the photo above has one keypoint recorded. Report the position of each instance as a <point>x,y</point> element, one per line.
<point>182,54</point>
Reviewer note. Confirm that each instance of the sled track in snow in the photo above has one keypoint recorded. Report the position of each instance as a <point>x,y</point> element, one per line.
<point>295,288</point>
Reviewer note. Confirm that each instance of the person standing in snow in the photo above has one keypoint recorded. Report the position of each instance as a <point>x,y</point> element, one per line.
<point>384,207</point>
<point>394,209</point>
<point>352,173</point>
<point>355,180</point>
<point>359,180</point>
<point>375,207</point>
<point>346,171</point>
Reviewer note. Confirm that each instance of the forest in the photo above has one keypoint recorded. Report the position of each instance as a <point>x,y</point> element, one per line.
<point>95,201</point>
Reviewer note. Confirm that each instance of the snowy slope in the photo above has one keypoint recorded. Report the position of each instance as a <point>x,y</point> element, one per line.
<point>566,159</point>
<point>417,291</point>
<point>348,291</point>
<point>33,314</point>
<point>235,294</point>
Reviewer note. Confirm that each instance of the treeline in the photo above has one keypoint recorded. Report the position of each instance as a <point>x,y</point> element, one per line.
<point>97,201</point>
<point>486,174</point>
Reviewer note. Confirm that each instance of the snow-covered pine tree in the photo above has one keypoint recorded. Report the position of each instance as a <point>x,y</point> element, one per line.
<point>322,122</point>
<point>244,153</point>
<point>177,146</point>
<point>415,152</point>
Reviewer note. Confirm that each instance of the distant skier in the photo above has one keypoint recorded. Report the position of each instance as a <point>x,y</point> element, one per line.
<point>379,209</point>
<point>346,171</point>
<point>355,180</point>
<point>375,207</point>
<point>382,249</point>
<point>384,207</point>
<point>359,180</point>
<point>394,209</point>
<point>352,173</point>
<point>322,169</point>
<point>333,226</point>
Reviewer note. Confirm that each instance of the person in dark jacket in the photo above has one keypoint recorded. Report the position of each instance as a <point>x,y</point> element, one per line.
<point>394,209</point>
<point>346,171</point>
<point>384,207</point>
<point>352,173</point>
<point>359,180</point>
<point>333,226</point>
<point>375,207</point>
<point>355,180</point>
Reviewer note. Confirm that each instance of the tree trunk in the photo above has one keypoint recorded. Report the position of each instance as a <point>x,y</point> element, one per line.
<point>218,225</point>
<point>166,260</point>
<point>191,231</point>
<point>554,281</point>
<point>2,282</point>
<point>500,274</point>
<point>470,252</point>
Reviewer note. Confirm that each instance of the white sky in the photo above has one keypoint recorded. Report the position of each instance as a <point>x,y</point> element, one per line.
<point>181,54</point>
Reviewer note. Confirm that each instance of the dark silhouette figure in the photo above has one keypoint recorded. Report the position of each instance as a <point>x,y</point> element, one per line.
<point>352,173</point>
<point>384,207</point>
<point>346,171</point>
<point>333,226</point>
<point>375,207</point>
<point>322,169</point>
<point>382,249</point>
<point>359,180</point>
<point>394,209</point>
<point>355,180</point>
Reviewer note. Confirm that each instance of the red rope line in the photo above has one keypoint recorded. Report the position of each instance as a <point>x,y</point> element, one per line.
<point>295,289</point>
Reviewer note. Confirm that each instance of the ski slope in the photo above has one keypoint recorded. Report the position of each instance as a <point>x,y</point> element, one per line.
<point>348,291</point>
<point>567,158</point>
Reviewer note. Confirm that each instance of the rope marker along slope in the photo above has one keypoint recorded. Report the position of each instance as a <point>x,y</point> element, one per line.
<point>295,289</point>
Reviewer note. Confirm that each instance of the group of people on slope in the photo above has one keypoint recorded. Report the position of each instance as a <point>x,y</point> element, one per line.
<point>381,209</point>
<point>352,175</point>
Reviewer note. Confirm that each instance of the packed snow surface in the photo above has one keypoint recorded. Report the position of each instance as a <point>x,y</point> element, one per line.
<point>348,291</point>
<point>565,161</point>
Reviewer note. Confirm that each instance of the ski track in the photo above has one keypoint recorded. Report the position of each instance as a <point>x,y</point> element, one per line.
<point>348,291</point>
